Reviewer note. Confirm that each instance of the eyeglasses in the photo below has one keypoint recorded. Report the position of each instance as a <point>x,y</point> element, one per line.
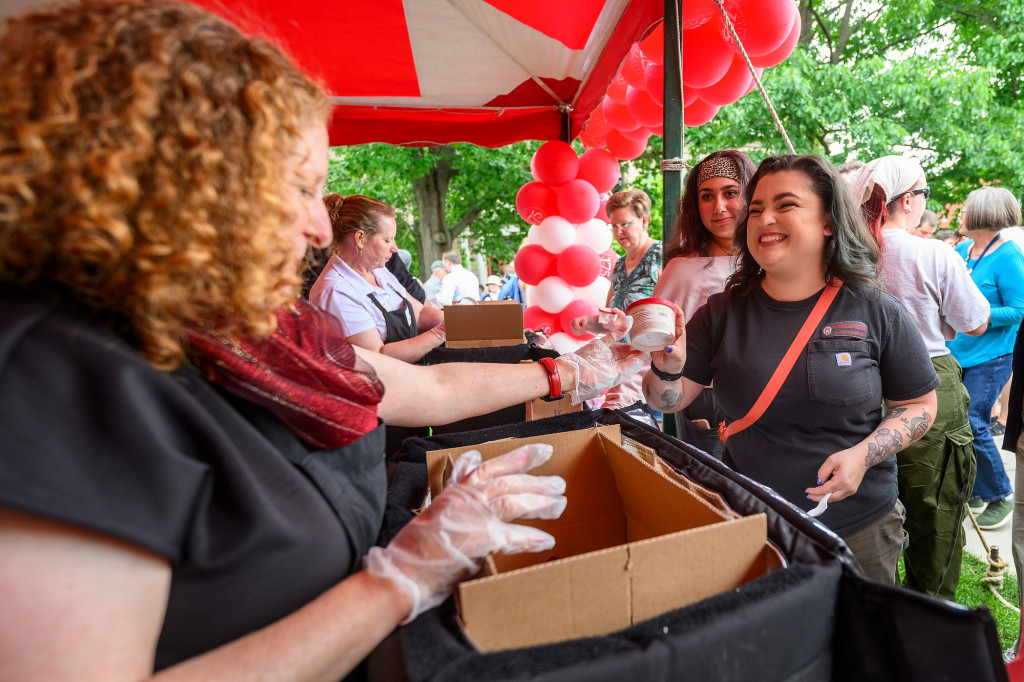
<point>923,190</point>
<point>623,225</point>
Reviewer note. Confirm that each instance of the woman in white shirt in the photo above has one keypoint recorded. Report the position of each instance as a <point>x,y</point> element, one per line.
<point>374,309</point>
<point>699,259</point>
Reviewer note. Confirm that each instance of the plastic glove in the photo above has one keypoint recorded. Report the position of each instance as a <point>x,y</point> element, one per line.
<point>598,366</point>
<point>469,520</point>
<point>438,331</point>
<point>610,320</point>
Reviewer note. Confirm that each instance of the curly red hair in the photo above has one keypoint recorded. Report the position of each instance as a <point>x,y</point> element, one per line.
<point>143,147</point>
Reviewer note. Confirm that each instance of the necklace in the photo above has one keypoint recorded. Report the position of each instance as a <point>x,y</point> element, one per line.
<point>967,256</point>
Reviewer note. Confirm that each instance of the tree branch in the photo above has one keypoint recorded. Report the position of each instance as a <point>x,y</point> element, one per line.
<point>465,221</point>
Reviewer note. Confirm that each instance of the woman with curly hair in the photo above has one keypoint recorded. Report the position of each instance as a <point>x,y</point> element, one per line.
<point>823,433</point>
<point>192,472</point>
<point>700,259</point>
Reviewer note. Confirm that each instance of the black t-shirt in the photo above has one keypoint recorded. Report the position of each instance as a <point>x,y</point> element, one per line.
<point>252,523</point>
<point>867,347</point>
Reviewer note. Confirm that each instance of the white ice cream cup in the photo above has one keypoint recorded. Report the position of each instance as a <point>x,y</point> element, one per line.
<point>654,324</point>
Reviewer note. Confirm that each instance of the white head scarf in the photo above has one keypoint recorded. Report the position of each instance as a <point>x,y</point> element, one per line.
<point>894,174</point>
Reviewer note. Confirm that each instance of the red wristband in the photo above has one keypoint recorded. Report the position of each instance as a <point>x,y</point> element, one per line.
<point>554,381</point>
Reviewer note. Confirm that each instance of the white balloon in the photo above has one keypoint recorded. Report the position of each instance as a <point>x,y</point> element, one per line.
<point>565,343</point>
<point>596,292</point>
<point>594,233</point>
<point>552,294</point>
<point>556,234</point>
<point>531,236</point>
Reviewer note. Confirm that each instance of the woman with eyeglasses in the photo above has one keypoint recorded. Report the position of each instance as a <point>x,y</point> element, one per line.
<point>997,266</point>
<point>700,259</point>
<point>634,276</point>
<point>936,473</point>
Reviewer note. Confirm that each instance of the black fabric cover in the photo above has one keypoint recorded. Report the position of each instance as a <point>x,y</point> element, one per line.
<point>818,619</point>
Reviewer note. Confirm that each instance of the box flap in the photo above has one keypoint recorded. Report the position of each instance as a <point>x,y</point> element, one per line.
<point>497,616</point>
<point>486,324</point>
<point>654,504</point>
<point>673,571</point>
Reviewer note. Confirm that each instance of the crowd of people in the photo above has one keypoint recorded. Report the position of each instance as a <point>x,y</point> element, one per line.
<point>193,481</point>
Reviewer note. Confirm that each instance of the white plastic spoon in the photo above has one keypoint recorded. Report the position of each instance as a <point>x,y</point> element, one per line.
<point>822,506</point>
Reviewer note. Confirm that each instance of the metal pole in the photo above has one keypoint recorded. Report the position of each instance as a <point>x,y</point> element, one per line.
<point>672,117</point>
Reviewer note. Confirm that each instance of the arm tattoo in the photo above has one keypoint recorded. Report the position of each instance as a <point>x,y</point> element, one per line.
<point>669,399</point>
<point>889,441</point>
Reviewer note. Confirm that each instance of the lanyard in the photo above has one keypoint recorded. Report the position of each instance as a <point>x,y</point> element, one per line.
<point>967,256</point>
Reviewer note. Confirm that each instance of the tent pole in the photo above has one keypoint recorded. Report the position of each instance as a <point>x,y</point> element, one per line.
<point>672,140</point>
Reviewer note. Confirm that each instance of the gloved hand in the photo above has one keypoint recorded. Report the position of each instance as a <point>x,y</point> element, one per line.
<point>599,365</point>
<point>438,331</point>
<point>610,320</point>
<point>467,521</point>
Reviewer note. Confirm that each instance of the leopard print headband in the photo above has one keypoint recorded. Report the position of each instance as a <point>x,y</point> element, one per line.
<point>718,167</point>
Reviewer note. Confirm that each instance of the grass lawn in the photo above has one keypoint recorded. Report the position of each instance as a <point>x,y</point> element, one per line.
<point>971,592</point>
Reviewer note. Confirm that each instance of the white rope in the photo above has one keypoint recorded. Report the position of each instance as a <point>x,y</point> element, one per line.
<point>753,72</point>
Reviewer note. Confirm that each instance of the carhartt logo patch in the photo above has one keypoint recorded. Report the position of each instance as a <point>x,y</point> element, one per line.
<point>843,359</point>
<point>845,330</point>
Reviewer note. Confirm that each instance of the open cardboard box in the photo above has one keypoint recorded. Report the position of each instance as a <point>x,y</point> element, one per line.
<point>634,542</point>
<point>541,409</point>
<point>484,325</point>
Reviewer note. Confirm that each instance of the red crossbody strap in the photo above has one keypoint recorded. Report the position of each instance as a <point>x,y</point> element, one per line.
<point>784,368</point>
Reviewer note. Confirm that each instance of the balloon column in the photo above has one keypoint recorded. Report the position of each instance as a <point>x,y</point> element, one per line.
<point>567,242</point>
<point>714,72</point>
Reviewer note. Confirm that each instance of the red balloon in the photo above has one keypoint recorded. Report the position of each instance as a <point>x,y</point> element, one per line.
<point>600,169</point>
<point>762,25</point>
<point>645,110</point>
<point>733,85</point>
<point>534,263</point>
<point>634,66</point>
<point>578,265</point>
<point>578,201</point>
<point>689,94</point>
<point>578,308</point>
<point>597,123</point>
<point>617,89</point>
<point>608,260</point>
<point>618,115</point>
<point>706,57</point>
<point>658,130</point>
<point>602,213</point>
<point>779,54</point>
<point>590,141</point>
<point>535,201</point>
<point>653,46</point>
<point>641,133</point>
<point>537,319</point>
<point>556,163</point>
<point>699,113</point>
<point>654,79</point>
<point>624,148</point>
<point>697,12</point>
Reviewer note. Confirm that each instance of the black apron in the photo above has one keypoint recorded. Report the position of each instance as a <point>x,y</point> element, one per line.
<point>400,325</point>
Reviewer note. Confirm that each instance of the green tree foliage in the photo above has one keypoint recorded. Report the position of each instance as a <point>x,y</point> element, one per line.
<point>935,79</point>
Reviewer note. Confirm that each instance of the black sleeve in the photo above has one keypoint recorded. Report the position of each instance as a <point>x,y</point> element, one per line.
<point>397,268</point>
<point>95,436</point>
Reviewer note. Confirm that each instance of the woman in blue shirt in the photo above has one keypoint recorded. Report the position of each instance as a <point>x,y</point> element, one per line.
<point>997,266</point>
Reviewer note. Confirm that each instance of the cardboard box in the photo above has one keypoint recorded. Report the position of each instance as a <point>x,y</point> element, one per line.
<point>484,325</point>
<point>633,543</point>
<point>539,409</point>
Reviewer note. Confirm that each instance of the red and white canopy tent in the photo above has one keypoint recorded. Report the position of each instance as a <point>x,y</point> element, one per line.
<point>428,72</point>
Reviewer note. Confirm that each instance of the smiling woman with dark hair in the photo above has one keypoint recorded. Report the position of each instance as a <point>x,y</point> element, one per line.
<point>807,267</point>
